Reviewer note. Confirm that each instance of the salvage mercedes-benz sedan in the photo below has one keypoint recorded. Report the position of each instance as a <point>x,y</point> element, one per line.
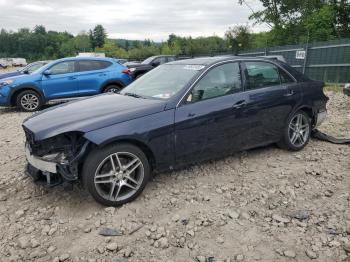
<point>179,113</point>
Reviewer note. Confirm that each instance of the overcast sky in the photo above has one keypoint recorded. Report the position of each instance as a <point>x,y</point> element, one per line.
<point>131,19</point>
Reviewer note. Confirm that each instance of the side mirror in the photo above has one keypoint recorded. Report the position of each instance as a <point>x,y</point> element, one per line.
<point>47,72</point>
<point>195,96</point>
<point>26,72</point>
<point>155,64</point>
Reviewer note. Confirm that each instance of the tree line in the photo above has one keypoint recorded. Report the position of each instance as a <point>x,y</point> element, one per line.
<point>290,22</point>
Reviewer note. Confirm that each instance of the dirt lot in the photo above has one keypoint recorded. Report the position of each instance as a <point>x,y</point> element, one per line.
<point>262,205</point>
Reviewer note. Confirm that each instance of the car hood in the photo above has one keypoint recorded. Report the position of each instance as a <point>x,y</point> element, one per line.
<point>22,78</point>
<point>10,74</point>
<point>90,114</point>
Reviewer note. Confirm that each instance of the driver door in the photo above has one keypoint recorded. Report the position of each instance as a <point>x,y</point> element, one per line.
<point>209,123</point>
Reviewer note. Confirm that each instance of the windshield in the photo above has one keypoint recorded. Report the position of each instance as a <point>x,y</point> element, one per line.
<point>44,67</point>
<point>148,60</point>
<point>162,82</point>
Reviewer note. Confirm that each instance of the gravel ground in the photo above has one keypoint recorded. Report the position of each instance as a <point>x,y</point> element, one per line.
<point>261,205</point>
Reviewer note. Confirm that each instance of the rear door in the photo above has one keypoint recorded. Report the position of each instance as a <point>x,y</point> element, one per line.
<point>92,73</point>
<point>62,81</point>
<point>271,94</point>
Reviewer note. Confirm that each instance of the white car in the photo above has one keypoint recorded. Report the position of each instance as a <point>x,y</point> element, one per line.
<point>5,62</point>
<point>19,62</point>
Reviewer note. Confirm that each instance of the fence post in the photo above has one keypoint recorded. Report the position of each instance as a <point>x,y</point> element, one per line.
<point>266,48</point>
<point>306,52</point>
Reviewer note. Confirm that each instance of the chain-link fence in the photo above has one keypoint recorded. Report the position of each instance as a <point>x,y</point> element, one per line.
<point>327,61</point>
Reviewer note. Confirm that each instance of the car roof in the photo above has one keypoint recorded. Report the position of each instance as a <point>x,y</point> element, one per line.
<point>40,62</point>
<point>85,58</point>
<point>156,56</point>
<point>206,61</point>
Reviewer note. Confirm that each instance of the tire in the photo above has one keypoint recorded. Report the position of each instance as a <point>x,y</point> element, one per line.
<point>296,134</point>
<point>118,187</point>
<point>139,76</point>
<point>29,101</point>
<point>112,89</point>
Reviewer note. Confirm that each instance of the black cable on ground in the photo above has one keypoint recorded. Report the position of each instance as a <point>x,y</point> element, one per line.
<point>324,137</point>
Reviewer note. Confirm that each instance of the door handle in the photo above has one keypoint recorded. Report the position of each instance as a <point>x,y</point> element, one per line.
<point>191,114</point>
<point>72,78</point>
<point>239,104</point>
<point>289,93</point>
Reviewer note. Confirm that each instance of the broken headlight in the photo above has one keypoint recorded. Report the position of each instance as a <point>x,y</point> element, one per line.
<point>60,158</point>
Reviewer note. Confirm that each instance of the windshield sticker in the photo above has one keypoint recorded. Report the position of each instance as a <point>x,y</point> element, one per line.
<point>163,96</point>
<point>194,67</point>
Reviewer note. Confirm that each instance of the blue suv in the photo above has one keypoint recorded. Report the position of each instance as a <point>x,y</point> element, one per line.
<point>61,79</point>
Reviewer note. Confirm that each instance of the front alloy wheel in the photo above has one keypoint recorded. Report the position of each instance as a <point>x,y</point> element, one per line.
<point>117,174</point>
<point>29,101</point>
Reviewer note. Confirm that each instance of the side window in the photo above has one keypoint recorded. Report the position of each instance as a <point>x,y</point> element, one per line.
<point>285,78</point>
<point>91,65</point>
<point>261,74</point>
<point>171,59</point>
<point>160,60</point>
<point>104,64</point>
<point>62,68</point>
<point>34,67</point>
<point>220,81</point>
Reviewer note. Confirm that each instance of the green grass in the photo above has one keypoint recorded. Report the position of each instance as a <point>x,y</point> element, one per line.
<point>333,87</point>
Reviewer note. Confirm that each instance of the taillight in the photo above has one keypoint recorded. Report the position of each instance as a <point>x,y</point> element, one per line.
<point>126,71</point>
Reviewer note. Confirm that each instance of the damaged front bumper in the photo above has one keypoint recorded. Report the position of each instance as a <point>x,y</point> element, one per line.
<point>40,164</point>
<point>53,172</point>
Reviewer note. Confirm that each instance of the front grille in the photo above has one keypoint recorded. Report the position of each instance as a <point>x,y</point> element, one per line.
<point>30,138</point>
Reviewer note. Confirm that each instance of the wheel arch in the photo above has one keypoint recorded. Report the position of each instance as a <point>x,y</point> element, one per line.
<point>310,112</point>
<point>18,90</point>
<point>140,144</point>
<point>112,82</point>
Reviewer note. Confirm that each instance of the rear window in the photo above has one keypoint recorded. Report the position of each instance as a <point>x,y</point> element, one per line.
<point>91,65</point>
<point>261,74</point>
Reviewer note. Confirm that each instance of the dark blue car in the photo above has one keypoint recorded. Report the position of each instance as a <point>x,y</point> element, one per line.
<point>25,70</point>
<point>177,114</point>
<point>62,79</point>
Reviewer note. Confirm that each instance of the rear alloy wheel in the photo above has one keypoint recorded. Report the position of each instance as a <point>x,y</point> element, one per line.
<point>297,133</point>
<point>116,174</point>
<point>29,101</point>
<point>112,89</point>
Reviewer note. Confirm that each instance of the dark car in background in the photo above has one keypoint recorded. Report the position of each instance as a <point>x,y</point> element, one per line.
<point>179,113</point>
<point>26,70</point>
<point>139,69</point>
<point>122,61</point>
